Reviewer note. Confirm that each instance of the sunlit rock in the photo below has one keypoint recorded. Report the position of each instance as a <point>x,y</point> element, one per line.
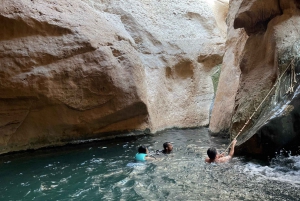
<point>74,70</point>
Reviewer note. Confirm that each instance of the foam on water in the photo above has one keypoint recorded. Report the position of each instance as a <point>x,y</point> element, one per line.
<point>281,168</point>
<point>135,165</point>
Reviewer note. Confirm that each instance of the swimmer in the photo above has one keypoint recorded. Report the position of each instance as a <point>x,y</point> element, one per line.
<point>168,147</point>
<point>142,154</point>
<point>213,155</point>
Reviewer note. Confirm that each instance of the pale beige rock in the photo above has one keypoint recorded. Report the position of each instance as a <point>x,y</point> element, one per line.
<point>223,108</point>
<point>220,9</point>
<point>73,70</point>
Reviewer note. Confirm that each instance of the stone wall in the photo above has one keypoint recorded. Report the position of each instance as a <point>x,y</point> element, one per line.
<point>84,69</point>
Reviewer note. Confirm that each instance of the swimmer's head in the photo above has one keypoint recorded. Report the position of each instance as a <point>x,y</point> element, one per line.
<point>212,153</point>
<point>168,147</point>
<point>143,149</point>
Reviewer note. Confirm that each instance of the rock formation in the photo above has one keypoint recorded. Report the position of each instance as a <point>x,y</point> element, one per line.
<point>85,69</point>
<point>261,37</point>
<point>230,75</point>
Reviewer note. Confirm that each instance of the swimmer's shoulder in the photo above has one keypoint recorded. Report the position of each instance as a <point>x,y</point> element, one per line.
<point>207,160</point>
<point>223,159</point>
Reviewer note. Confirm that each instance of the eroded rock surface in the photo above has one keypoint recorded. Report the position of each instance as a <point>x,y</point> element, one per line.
<point>272,29</point>
<point>223,107</point>
<point>72,70</point>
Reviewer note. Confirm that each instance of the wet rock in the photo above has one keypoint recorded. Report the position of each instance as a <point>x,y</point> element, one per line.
<point>277,126</point>
<point>272,29</point>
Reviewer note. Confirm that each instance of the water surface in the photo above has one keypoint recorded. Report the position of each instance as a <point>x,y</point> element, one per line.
<point>107,171</point>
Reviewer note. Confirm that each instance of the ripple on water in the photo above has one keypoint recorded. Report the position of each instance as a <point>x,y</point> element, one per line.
<point>96,160</point>
<point>80,192</point>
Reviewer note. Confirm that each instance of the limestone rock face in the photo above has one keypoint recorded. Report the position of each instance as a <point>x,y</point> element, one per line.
<point>230,75</point>
<point>82,69</point>
<point>261,56</point>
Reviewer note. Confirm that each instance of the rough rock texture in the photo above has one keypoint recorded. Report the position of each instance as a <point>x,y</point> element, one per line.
<point>272,29</point>
<point>72,70</point>
<point>230,74</point>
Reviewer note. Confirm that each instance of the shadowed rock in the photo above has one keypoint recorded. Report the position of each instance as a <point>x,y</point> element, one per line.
<point>272,29</point>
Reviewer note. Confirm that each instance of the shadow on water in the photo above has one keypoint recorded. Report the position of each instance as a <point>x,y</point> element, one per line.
<point>107,171</point>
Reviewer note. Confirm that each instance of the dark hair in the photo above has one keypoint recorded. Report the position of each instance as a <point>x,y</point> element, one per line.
<point>142,149</point>
<point>212,153</point>
<point>165,145</point>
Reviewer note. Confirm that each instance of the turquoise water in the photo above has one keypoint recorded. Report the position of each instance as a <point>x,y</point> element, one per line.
<point>107,171</point>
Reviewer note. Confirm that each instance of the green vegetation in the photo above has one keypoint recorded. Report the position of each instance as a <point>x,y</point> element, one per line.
<point>215,77</point>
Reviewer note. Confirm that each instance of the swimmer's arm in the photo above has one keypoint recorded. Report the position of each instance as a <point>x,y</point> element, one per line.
<point>227,158</point>
<point>153,159</point>
<point>232,148</point>
<point>149,158</point>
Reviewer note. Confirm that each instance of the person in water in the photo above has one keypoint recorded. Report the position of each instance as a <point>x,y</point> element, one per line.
<point>168,147</point>
<point>214,157</point>
<point>142,154</point>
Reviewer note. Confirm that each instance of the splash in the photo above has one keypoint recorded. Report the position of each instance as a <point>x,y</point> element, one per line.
<point>281,168</point>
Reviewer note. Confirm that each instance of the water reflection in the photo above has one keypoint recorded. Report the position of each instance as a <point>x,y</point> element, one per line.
<point>107,171</point>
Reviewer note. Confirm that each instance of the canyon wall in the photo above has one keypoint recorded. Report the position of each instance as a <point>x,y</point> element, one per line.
<point>262,38</point>
<point>85,69</point>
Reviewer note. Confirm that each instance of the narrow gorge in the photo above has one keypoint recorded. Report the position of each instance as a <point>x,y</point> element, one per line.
<point>150,100</point>
<point>88,69</point>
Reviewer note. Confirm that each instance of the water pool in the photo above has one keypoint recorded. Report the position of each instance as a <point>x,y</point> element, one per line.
<point>107,171</point>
